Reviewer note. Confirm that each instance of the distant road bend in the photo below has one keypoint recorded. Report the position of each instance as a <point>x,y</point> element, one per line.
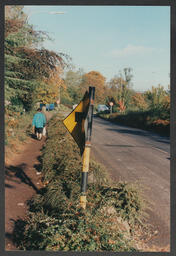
<point>134,155</point>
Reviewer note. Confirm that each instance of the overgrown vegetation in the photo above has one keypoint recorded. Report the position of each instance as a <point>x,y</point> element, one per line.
<point>56,221</point>
<point>156,118</point>
<point>18,127</point>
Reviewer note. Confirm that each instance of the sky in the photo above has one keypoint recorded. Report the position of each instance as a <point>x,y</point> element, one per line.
<point>108,39</point>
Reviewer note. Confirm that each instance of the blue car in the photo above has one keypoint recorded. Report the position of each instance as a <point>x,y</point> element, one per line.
<point>51,106</point>
<point>48,106</point>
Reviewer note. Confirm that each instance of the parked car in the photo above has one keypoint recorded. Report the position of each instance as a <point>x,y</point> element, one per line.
<point>48,106</point>
<point>103,108</point>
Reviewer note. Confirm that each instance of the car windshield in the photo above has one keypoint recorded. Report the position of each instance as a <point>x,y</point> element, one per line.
<point>102,107</point>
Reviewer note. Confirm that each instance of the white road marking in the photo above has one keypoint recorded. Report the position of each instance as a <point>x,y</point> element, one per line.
<point>159,149</point>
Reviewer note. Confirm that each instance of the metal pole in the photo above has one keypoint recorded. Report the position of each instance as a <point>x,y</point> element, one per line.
<point>86,154</point>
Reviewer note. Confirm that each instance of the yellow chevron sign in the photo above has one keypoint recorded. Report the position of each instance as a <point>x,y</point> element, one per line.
<point>75,121</point>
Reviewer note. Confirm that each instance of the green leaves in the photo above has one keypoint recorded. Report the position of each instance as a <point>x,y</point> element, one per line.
<point>25,62</point>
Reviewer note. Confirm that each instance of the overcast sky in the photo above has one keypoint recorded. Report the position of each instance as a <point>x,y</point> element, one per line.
<point>110,38</point>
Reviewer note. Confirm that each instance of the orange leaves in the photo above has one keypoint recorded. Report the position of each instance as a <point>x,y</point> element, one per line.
<point>97,80</point>
<point>111,241</point>
<point>55,83</point>
<point>166,102</point>
<point>12,122</point>
<point>121,106</point>
<point>49,90</point>
<point>139,101</point>
<point>11,118</point>
<point>161,122</point>
<point>12,26</point>
<point>55,77</point>
<point>47,94</point>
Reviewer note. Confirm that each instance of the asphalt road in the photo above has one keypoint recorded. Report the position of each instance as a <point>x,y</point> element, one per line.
<point>134,155</point>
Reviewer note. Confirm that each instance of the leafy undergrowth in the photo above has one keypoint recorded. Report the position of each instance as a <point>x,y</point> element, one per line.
<point>153,120</point>
<point>16,125</point>
<point>55,220</point>
<point>17,131</point>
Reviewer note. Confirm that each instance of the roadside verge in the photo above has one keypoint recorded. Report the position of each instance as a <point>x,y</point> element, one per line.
<point>112,221</point>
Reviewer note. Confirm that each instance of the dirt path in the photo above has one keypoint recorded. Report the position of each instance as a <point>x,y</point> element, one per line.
<point>22,181</point>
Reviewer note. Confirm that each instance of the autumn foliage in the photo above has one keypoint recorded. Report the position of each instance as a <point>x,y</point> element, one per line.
<point>96,80</point>
<point>138,100</point>
<point>121,106</point>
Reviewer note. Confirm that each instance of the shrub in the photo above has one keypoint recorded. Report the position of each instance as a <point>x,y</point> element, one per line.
<point>17,126</point>
<point>76,230</point>
<point>148,120</point>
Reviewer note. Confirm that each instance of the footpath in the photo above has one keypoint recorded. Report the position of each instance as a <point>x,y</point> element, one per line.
<point>22,181</point>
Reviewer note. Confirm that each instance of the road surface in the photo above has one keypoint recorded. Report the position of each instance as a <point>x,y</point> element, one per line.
<point>134,155</point>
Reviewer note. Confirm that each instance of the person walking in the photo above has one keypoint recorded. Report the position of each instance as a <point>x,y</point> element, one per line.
<point>38,123</point>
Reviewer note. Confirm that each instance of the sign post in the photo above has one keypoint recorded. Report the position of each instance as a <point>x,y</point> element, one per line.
<point>86,154</point>
<point>79,125</point>
<point>111,104</point>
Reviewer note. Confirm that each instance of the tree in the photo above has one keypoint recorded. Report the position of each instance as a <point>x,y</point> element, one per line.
<point>127,76</point>
<point>49,90</point>
<point>111,93</point>
<point>73,80</point>
<point>159,101</point>
<point>26,65</point>
<point>15,12</point>
<point>156,96</point>
<point>139,101</point>
<point>96,80</point>
<point>121,88</point>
